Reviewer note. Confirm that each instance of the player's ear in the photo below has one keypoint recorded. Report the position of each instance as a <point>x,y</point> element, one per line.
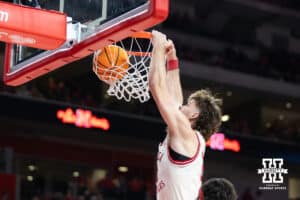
<point>195,115</point>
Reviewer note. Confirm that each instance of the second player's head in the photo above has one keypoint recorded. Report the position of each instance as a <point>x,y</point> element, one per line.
<point>204,112</point>
<point>218,189</point>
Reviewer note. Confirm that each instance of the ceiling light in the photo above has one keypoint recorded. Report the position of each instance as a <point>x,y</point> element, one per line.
<point>225,118</point>
<point>288,105</point>
<point>281,117</point>
<point>31,168</point>
<point>30,178</point>
<point>123,169</point>
<point>76,174</point>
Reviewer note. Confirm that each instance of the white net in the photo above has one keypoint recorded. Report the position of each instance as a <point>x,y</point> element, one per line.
<point>131,83</point>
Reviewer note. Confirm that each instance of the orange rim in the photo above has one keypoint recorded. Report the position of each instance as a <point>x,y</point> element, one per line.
<point>142,35</point>
<point>137,53</point>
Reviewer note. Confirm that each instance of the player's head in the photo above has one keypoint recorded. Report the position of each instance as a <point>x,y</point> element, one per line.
<point>218,189</point>
<point>204,112</point>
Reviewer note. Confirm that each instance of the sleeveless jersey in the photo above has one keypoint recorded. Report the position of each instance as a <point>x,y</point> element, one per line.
<point>179,180</point>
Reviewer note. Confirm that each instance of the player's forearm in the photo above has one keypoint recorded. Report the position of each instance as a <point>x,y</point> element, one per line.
<point>173,77</point>
<point>174,85</point>
<point>157,73</point>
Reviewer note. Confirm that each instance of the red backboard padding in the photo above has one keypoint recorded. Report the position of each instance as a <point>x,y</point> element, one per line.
<point>32,27</point>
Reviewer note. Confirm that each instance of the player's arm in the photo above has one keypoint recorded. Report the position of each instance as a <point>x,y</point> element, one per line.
<point>173,77</point>
<point>178,124</point>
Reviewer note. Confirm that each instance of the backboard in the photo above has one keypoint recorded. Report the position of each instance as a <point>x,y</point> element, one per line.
<point>92,24</point>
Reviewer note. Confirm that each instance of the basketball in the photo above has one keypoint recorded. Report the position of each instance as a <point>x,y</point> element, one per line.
<point>110,63</point>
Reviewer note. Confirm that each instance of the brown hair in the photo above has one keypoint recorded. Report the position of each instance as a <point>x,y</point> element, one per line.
<point>210,116</point>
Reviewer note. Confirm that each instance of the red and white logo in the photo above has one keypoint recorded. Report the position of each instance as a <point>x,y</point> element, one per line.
<point>160,185</point>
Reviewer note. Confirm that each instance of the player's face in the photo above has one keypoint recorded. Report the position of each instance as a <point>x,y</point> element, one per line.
<point>190,110</point>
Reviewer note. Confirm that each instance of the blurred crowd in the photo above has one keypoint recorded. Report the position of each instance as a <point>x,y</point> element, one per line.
<point>270,63</point>
<point>75,92</point>
<point>283,130</point>
<point>118,188</point>
<point>290,4</point>
<point>275,130</point>
<point>108,188</point>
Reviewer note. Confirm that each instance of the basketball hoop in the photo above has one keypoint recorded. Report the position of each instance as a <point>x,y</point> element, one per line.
<point>131,83</point>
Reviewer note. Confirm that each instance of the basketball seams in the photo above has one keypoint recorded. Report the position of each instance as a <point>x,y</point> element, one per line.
<point>107,56</point>
<point>99,63</point>
<point>117,60</point>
